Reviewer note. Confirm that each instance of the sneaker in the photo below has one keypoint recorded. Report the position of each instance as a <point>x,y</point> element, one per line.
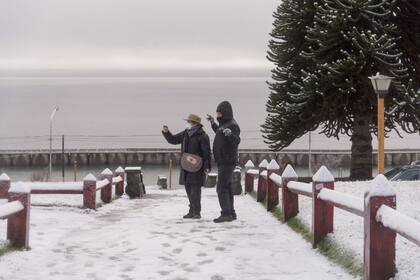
<point>196,216</point>
<point>223,219</point>
<point>188,216</point>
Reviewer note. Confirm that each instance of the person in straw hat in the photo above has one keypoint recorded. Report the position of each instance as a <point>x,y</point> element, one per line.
<point>195,160</point>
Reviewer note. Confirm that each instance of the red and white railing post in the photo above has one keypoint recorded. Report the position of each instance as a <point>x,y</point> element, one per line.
<point>272,188</point>
<point>18,224</point>
<point>106,191</point>
<point>322,212</point>
<point>249,178</point>
<point>379,243</point>
<point>89,192</point>
<point>119,187</point>
<point>262,182</point>
<point>290,205</point>
<point>4,186</point>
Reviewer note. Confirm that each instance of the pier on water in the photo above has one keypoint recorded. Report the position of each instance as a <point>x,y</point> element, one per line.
<point>87,157</point>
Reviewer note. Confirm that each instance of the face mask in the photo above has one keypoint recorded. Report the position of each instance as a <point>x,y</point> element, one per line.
<point>219,119</point>
<point>188,126</point>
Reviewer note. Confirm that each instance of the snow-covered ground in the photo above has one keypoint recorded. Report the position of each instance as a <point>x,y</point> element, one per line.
<point>148,239</point>
<point>348,228</point>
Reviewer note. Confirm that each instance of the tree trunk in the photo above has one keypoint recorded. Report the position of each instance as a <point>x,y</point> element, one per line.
<point>361,149</point>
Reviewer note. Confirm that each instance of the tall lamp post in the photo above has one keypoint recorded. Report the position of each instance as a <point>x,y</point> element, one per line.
<point>381,84</point>
<point>51,139</point>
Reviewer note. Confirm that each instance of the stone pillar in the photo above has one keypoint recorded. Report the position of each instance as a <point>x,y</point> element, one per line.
<point>4,186</point>
<point>379,243</point>
<point>89,192</point>
<point>322,212</point>
<point>249,178</point>
<point>162,182</point>
<point>262,182</point>
<point>18,224</point>
<point>119,187</point>
<point>106,192</point>
<point>135,187</point>
<point>272,188</point>
<point>290,205</point>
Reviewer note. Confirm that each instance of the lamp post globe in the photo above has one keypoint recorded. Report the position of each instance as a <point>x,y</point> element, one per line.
<point>381,84</point>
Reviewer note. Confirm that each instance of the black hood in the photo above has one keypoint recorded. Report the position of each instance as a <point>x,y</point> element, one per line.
<point>226,109</point>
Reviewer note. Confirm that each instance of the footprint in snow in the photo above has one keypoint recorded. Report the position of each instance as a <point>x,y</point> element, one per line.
<point>177,250</point>
<point>205,262</point>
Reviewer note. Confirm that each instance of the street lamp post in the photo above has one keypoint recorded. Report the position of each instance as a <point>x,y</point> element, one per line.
<point>51,139</point>
<point>381,84</point>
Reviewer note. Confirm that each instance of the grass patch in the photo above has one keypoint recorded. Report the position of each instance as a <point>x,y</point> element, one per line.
<point>57,205</point>
<point>8,248</point>
<point>341,256</point>
<point>329,248</point>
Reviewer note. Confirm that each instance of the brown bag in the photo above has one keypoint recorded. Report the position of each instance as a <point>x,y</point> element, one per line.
<point>191,163</point>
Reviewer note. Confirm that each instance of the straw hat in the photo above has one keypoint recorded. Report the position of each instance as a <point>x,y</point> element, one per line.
<point>193,118</point>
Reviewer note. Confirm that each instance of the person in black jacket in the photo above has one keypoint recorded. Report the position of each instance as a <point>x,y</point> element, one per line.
<point>225,151</point>
<point>195,141</point>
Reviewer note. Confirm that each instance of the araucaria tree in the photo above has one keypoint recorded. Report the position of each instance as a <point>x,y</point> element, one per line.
<point>324,84</point>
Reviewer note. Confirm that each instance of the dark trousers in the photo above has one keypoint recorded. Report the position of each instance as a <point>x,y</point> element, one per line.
<point>194,196</point>
<point>224,189</point>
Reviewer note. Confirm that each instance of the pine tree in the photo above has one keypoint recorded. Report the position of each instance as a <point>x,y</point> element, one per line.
<point>406,16</point>
<point>347,41</point>
<point>286,99</point>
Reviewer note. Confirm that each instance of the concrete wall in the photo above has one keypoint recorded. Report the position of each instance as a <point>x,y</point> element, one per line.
<point>296,158</point>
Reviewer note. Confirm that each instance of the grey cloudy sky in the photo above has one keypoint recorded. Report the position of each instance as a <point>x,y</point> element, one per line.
<point>134,33</point>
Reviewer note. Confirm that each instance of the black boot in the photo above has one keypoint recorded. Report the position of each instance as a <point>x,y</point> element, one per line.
<point>190,215</point>
<point>223,219</point>
<point>196,216</point>
<point>234,217</point>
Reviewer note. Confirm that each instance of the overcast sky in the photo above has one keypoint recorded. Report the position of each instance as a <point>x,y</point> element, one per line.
<point>131,34</point>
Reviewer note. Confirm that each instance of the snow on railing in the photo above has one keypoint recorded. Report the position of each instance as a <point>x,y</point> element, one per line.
<point>276,179</point>
<point>343,201</point>
<point>253,171</point>
<point>102,183</point>
<point>40,187</point>
<point>116,180</point>
<point>10,208</point>
<point>400,223</point>
<point>3,201</point>
<point>300,188</point>
<point>264,174</point>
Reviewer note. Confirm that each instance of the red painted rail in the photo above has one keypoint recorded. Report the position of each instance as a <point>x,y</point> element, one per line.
<point>405,226</point>
<point>9,209</point>
<point>16,211</point>
<point>381,220</point>
<point>108,179</point>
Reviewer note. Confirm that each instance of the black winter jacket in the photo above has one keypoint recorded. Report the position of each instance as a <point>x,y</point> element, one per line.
<point>225,148</point>
<point>197,144</point>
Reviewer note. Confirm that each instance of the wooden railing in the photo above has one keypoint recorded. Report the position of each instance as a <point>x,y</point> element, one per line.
<point>104,185</point>
<point>16,211</point>
<point>378,208</point>
<point>15,198</point>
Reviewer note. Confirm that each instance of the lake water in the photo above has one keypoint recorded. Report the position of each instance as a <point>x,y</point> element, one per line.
<point>129,112</point>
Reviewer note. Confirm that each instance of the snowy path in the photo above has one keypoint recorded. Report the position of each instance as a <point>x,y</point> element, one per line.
<point>146,239</point>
